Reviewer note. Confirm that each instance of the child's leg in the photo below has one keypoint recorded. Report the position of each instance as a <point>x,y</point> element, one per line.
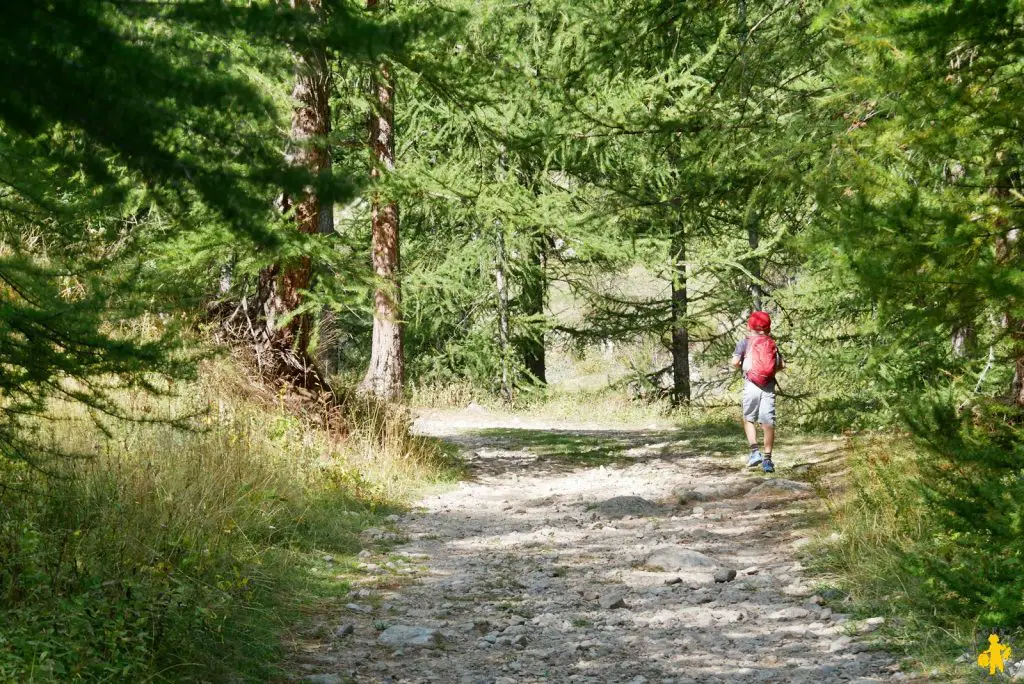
<point>751,431</point>
<point>751,405</point>
<point>767,419</point>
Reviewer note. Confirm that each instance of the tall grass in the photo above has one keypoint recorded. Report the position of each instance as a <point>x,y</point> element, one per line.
<point>877,532</point>
<point>178,555</point>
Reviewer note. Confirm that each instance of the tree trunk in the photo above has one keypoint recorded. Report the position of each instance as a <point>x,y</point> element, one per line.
<point>501,282</point>
<point>280,285</point>
<point>1017,386</point>
<point>680,332</point>
<point>963,341</point>
<point>386,372</point>
<point>533,298</point>
<point>1007,254</point>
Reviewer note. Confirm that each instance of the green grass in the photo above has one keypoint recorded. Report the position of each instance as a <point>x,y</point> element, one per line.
<point>186,555</point>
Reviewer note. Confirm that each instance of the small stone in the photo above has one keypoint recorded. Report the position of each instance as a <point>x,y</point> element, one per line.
<point>752,570</point>
<point>400,636</point>
<point>344,630</point>
<point>359,608</point>
<point>328,559</point>
<point>674,580</point>
<point>613,601</point>
<point>365,553</point>
<point>870,625</point>
<point>393,518</point>
<point>797,590</point>
<point>840,644</point>
<point>793,613</point>
<point>723,576</point>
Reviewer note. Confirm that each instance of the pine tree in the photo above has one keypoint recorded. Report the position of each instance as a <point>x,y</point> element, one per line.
<point>920,209</point>
<point>695,134</point>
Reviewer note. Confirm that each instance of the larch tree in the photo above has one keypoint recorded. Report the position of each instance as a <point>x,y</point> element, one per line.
<point>386,372</point>
<point>286,333</point>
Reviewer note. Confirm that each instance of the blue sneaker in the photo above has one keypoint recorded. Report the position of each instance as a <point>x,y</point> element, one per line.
<point>755,458</point>
<point>767,465</point>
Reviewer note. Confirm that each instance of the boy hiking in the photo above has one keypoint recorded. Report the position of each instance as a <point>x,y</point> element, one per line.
<point>759,357</point>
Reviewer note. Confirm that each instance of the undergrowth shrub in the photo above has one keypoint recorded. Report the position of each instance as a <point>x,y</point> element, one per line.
<point>973,484</point>
<point>930,530</point>
<point>174,555</point>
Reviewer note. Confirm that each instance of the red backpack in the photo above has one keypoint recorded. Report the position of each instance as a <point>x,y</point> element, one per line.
<point>762,351</point>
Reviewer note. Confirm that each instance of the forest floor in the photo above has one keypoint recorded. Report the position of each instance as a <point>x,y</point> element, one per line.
<point>576,553</point>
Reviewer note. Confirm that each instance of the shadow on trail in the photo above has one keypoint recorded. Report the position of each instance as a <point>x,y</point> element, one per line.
<point>497,451</point>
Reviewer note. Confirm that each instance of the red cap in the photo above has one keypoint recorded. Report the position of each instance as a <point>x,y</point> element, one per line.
<point>760,322</point>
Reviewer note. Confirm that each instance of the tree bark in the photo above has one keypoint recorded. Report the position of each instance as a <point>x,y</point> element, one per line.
<point>280,285</point>
<point>1007,255</point>
<point>501,282</point>
<point>386,373</point>
<point>680,331</point>
<point>1017,386</point>
<point>533,298</point>
<point>963,341</point>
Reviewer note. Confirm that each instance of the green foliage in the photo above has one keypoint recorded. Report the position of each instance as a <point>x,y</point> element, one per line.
<point>973,483</point>
<point>919,291</point>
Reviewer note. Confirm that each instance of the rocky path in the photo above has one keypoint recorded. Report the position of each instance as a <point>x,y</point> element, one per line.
<point>588,555</point>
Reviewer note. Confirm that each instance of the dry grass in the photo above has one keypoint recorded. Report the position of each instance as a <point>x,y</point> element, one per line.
<point>168,554</point>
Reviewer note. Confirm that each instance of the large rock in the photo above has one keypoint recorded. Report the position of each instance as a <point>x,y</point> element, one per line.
<point>402,636</point>
<point>715,493</point>
<point>322,679</point>
<point>675,559</point>
<point>723,576</point>
<point>621,506</point>
<point>781,486</point>
<point>613,600</point>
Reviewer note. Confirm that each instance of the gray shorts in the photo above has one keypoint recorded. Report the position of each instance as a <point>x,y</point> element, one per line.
<point>758,404</point>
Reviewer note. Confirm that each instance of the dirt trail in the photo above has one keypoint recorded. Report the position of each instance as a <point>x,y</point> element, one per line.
<point>567,557</point>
